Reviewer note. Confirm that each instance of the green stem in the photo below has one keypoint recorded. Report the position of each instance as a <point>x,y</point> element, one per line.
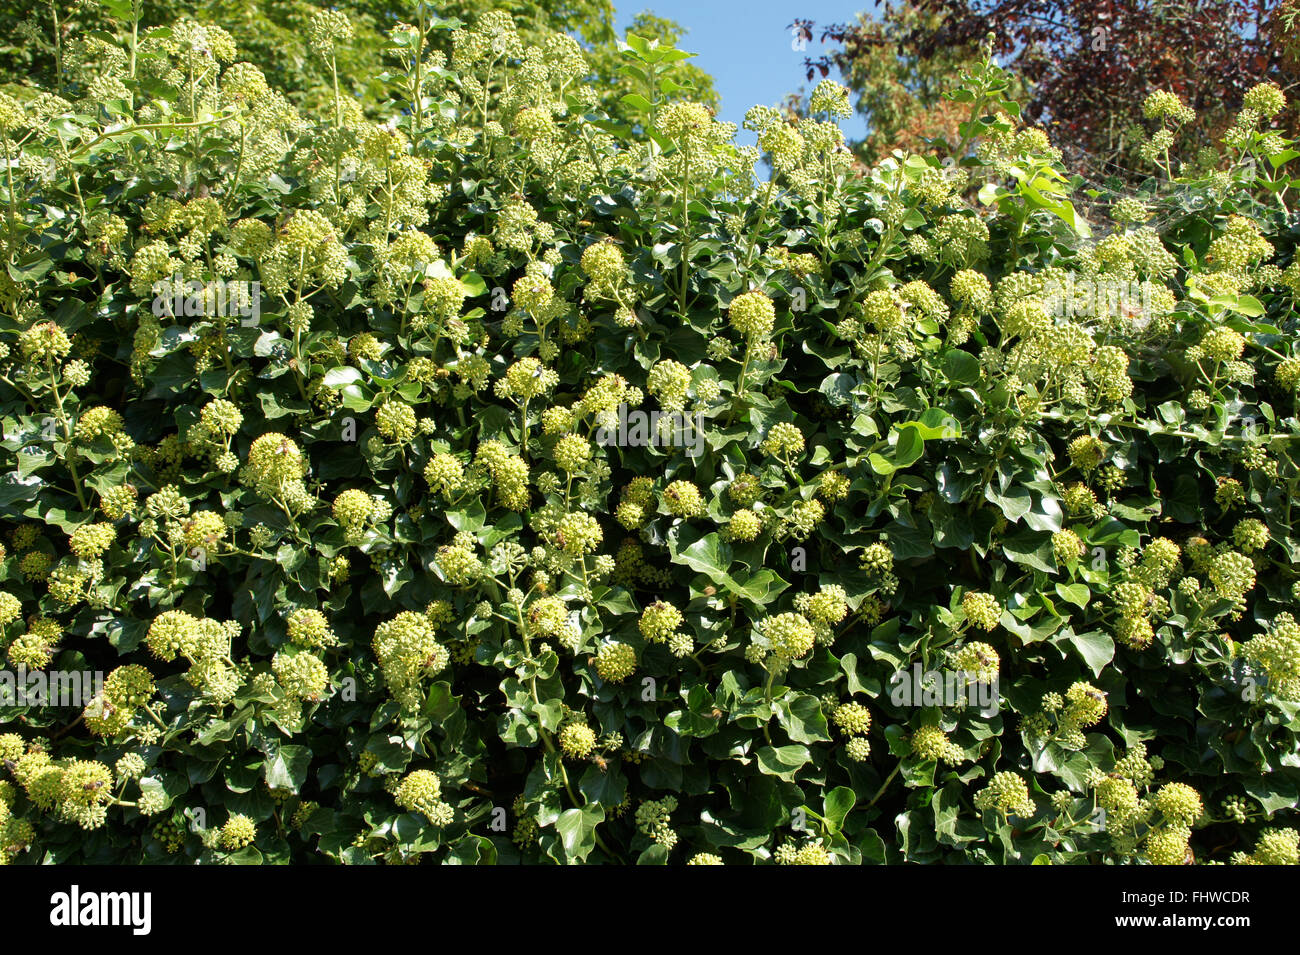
<point>419,76</point>
<point>135,38</point>
<point>239,168</point>
<point>338,128</point>
<point>66,428</point>
<point>154,716</point>
<point>740,386</point>
<point>762,216</point>
<point>140,126</point>
<point>885,785</point>
<point>11,230</point>
<point>58,44</point>
<point>686,225</point>
<point>523,430</point>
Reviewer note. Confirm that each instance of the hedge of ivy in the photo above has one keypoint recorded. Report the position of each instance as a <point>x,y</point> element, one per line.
<point>513,482</point>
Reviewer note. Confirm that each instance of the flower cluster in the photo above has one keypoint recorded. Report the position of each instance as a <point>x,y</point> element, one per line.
<point>421,791</point>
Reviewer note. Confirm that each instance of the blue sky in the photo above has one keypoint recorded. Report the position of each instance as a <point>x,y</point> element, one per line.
<point>747,47</point>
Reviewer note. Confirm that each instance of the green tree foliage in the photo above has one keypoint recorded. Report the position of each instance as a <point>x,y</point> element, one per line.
<point>272,36</point>
<point>900,92</point>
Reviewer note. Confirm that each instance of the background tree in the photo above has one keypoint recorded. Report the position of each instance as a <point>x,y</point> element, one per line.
<point>1087,65</point>
<point>899,91</point>
<point>272,35</point>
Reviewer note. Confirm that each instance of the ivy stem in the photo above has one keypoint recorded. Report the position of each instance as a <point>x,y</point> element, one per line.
<point>686,227</point>
<point>740,385</point>
<point>762,215</point>
<point>523,430</point>
<point>885,785</point>
<point>141,126</point>
<point>419,75</point>
<point>154,716</point>
<point>70,455</point>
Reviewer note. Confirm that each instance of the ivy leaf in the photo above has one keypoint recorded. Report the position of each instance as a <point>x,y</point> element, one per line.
<point>1015,502</point>
<point>907,542</point>
<point>707,555</point>
<point>1096,649</point>
<point>839,802</point>
<point>577,829</point>
<point>802,718</point>
<point>654,855</point>
<point>1273,792</point>
<point>286,767</point>
<point>910,447</point>
<point>1032,549</point>
<point>961,367</point>
<point>784,762</point>
<point>1077,594</point>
